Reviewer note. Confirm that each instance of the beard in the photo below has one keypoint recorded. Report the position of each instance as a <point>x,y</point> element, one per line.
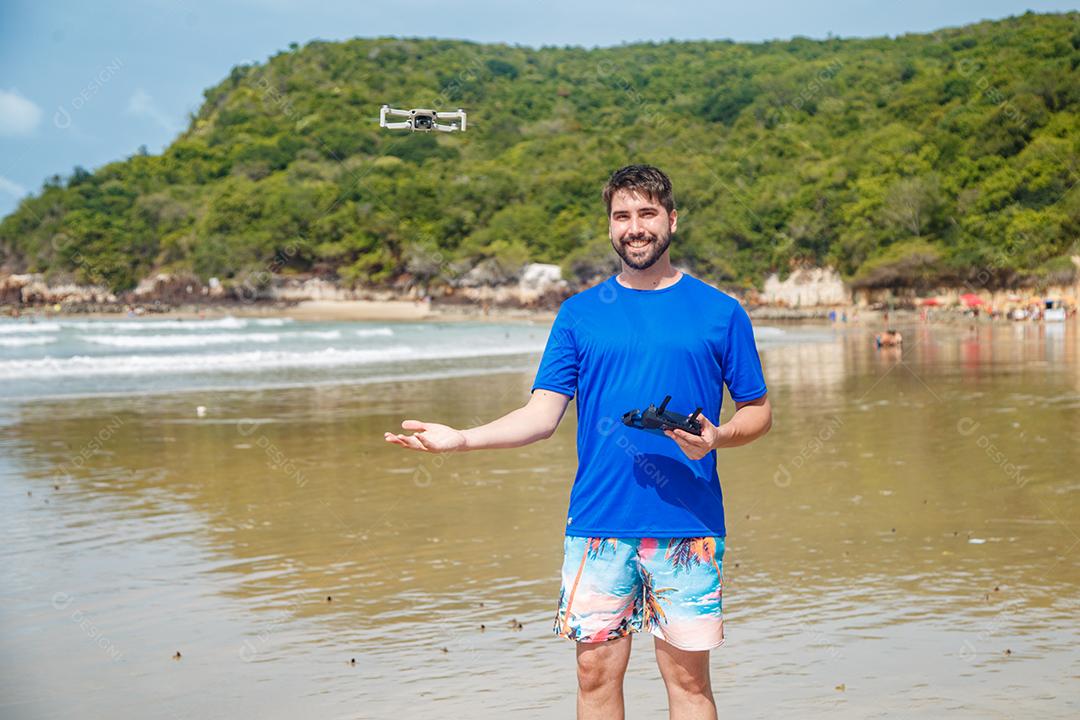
<point>644,258</point>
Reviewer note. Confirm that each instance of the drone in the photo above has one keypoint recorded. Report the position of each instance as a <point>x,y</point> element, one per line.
<point>422,120</point>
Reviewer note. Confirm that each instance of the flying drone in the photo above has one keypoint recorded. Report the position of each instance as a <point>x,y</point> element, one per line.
<point>422,120</point>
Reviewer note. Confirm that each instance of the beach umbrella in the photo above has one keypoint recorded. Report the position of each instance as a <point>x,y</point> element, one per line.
<point>929,302</point>
<point>971,299</point>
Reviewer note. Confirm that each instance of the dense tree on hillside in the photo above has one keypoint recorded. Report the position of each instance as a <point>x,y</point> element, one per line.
<point>906,161</point>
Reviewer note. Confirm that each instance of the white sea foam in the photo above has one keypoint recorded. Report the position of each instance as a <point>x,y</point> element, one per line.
<point>273,322</point>
<point>375,332</point>
<point>183,340</point>
<point>28,327</point>
<point>225,323</point>
<point>765,331</point>
<point>24,341</point>
<point>320,334</point>
<point>250,361</point>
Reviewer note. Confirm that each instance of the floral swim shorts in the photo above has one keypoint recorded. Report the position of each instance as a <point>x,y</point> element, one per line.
<point>670,587</point>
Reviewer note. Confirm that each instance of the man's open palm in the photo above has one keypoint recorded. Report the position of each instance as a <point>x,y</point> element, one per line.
<point>429,437</point>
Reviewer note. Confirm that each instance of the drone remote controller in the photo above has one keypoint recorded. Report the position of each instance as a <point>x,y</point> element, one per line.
<point>658,419</point>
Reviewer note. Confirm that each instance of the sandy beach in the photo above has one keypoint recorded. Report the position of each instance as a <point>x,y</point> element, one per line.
<point>404,310</point>
<point>411,311</point>
<point>314,311</point>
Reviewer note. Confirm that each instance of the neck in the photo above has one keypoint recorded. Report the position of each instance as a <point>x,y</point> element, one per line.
<point>660,275</point>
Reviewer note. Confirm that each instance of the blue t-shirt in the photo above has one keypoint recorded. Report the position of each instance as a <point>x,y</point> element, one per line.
<point>621,349</point>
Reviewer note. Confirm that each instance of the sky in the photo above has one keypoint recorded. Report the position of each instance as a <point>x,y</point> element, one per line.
<point>86,83</point>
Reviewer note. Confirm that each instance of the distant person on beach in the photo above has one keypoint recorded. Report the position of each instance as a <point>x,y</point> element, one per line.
<point>889,338</point>
<point>645,530</point>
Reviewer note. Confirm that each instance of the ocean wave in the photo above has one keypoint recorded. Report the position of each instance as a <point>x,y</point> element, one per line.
<point>766,331</point>
<point>24,341</point>
<point>375,332</point>
<point>226,323</point>
<point>173,341</point>
<point>250,361</point>
<point>28,327</point>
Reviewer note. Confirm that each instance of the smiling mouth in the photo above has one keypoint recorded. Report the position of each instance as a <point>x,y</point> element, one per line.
<point>638,244</point>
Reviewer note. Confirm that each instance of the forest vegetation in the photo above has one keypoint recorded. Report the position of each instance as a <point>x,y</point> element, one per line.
<point>910,161</point>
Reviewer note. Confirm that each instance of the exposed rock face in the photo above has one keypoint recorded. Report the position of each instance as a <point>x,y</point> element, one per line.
<point>11,289</point>
<point>806,287</point>
<point>538,285</point>
<point>31,289</point>
<point>311,289</point>
<point>486,273</point>
<point>169,287</point>
<point>539,279</point>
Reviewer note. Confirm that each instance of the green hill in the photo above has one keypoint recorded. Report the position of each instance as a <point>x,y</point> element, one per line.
<point>925,158</point>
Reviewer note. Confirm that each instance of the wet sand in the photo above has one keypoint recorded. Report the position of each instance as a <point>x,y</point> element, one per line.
<point>904,542</point>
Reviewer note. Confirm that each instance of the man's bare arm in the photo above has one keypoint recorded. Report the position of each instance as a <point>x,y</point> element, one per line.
<point>537,420</point>
<point>751,420</point>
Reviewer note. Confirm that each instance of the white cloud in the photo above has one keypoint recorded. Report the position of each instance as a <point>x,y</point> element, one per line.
<point>18,116</point>
<point>143,105</point>
<point>11,187</point>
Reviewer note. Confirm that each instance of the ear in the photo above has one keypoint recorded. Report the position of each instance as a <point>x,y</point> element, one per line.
<point>673,219</point>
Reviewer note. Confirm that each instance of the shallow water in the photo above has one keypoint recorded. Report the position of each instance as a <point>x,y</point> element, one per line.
<point>904,541</point>
<point>72,358</point>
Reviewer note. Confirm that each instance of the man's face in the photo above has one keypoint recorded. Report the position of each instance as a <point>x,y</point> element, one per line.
<point>640,228</point>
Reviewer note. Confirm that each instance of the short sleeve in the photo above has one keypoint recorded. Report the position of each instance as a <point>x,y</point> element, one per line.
<point>740,363</point>
<point>559,366</point>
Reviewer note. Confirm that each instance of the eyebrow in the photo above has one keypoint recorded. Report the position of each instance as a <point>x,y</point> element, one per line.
<point>646,209</point>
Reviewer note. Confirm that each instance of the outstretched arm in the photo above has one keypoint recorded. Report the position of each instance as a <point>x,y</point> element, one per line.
<point>751,420</point>
<point>537,420</point>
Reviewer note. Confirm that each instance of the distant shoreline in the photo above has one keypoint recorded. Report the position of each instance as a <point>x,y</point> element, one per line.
<point>307,310</point>
<point>428,311</point>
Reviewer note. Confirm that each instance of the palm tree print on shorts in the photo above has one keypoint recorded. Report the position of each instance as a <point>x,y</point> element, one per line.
<point>685,552</point>
<point>652,613</point>
<point>594,548</point>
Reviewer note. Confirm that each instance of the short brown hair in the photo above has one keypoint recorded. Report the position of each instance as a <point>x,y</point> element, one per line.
<point>644,179</point>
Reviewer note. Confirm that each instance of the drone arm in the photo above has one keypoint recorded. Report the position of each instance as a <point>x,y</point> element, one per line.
<point>459,114</point>
<point>387,111</point>
<point>398,125</point>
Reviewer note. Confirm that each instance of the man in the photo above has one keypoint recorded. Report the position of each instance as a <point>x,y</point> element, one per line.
<point>645,529</point>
